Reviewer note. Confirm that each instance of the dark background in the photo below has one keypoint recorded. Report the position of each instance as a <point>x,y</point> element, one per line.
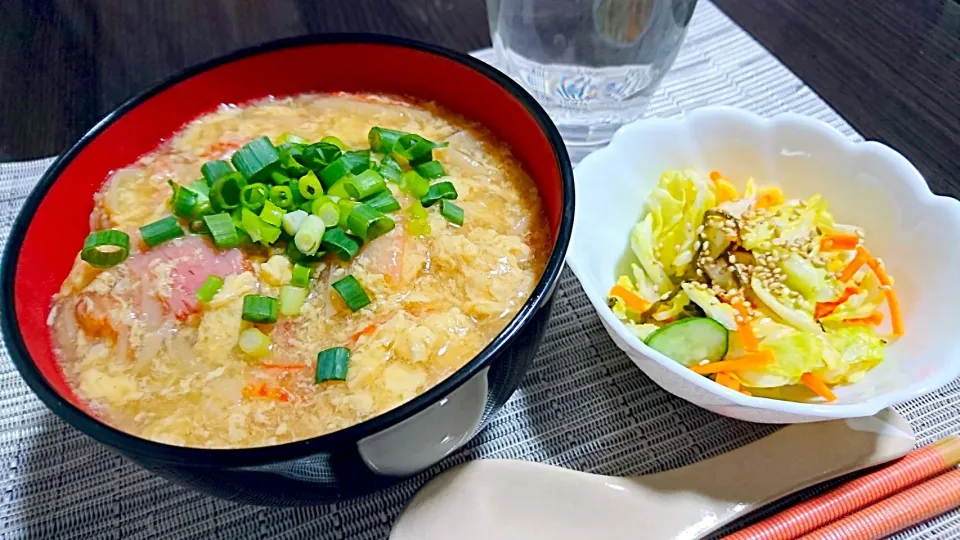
<point>890,67</point>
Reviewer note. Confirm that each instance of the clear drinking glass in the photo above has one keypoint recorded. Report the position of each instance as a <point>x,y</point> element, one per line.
<point>592,64</point>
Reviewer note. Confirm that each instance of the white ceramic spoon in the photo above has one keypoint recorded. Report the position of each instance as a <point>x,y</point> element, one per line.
<point>509,499</point>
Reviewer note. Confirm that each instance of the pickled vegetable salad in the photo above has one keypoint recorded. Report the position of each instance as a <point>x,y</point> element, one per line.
<point>754,290</point>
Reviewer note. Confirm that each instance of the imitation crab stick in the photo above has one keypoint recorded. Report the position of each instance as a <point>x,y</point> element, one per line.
<point>753,360</point>
<point>819,387</point>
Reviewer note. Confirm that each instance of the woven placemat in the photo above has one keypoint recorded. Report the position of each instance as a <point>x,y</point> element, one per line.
<point>583,405</point>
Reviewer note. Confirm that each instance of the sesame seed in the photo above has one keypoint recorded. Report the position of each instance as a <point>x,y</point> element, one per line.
<point>665,296</point>
<point>777,270</point>
<point>732,259</point>
<point>703,362</point>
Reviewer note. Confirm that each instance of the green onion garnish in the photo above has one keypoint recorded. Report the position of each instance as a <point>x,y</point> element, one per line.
<point>299,257</point>
<point>431,169</point>
<point>288,160</point>
<point>309,186</point>
<point>342,244</point>
<point>351,292</point>
<point>419,223</point>
<point>327,210</point>
<point>414,184</point>
<point>319,155</point>
<point>256,159</point>
<point>330,139</point>
<point>349,162</point>
<point>301,276</point>
<point>254,342</point>
<point>440,190</point>
<point>222,230</point>
<point>332,364</point>
<point>338,189</point>
<point>160,231</point>
<point>215,170</point>
<point>269,234</point>
<point>452,212</point>
<point>288,137</point>
<point>383,139</point>
<point>279,178</point>
<point>292,299</point>
<point>184,201</point>
<point>282,196</point>
<point>251,223</point>
<point>104,249</point>
<point>253,197</point>
<point>259,309</point>
<point>415,149</point>
<point>389,173</point>
<point>368,223</point>
<point>364,184</point>
<point>272,214</point>
<point>346,206</point>
<point>225,192</point>
<point>292,220</point>
<point>200,186</point>
<point>383,202</point>
<point>309,235</point>
<point>210,287</point>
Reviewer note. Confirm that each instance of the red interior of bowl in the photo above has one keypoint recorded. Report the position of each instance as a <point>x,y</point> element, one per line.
<point>61,222</point>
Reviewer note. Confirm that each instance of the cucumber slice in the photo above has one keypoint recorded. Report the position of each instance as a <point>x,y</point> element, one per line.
<point>690,341</point>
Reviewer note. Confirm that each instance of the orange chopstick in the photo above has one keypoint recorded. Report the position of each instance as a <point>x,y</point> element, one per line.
<point>919,503</point>
<point>857,493</point>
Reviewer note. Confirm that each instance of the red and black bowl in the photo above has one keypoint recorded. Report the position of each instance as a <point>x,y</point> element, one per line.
<point>54,222</point>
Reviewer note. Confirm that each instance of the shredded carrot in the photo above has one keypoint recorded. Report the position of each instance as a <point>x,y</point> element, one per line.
<point>725,190</point>
<point>896,318</point>
<point>263,390</point>
<point>752,360</point>
<point>874,319</point>
<point>366,331</point>
<point>769,196</point>
<point>826,308</point>
<point>632,299</point>
<point>839,242</point>
<point>285,367</point>
<point>858,260</point>
<point>818,386</point>
<point>727,380</point>
<point>715,175</point>
<point>745,392</point>
<point>744,330</point>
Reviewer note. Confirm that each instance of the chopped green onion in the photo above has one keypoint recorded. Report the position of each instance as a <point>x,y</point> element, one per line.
<point>452,212</point>
<point>288,137</point>
<point>252,224</point>
<point>298,199</point>
<point>299,257</point>
<point>253,196</point>
<point>256,159</point>
<point>184,201</point>
<point>215,170</point>
<point>438,191</point>
<point>414,184</point>
<point>222,230</point>
<point>368,223</point>
<point>326,209</point>
<point>383,139</point>
<point>279,178</point>
<point>364,184</point>
<point>201,187</point>
<point>301,276</point>
<point>431,169</point>
<point>346,206</point>
<point>293,220</point>
<point>349,162</point>
<point>272,214</point>
<point>254,342</point>
<point>351,292</point>
<point>389,173</point>
<point>330,139</point>
<point>160,231</point>
<point>319,155</point>
<point>309,186</point>
<point>383,201</point>
<point>332,364</point>
<point>419,224</point>
<point>415,149</point>
<point>338,189</point>
<point>282,196</point>
<point>210,287</point>
<point>103,249</point>
<point>269,234</point>
<point>259,309</point>
<point>225,192</point>
<point>288,160</point>
<point>342,244</point>
<point>292,299</point>
<point>309,235</point>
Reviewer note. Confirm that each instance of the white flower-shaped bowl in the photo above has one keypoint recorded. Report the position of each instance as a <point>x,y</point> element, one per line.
<point>916,233</point>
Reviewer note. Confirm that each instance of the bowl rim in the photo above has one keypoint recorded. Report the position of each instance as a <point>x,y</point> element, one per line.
<point>135,446</point>
<point>906,172</point>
